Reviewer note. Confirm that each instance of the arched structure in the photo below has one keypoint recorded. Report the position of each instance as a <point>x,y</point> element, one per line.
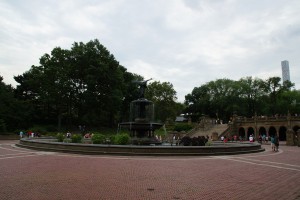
<point>268,126</point>
<point>282,133</point>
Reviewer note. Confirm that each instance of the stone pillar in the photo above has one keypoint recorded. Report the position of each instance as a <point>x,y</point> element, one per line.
<point>290,137</point>
<point>256,134</point>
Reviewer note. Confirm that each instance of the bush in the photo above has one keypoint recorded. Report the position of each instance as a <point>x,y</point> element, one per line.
<point>98,138</point>
<point>112,139</point>
<point>76,138</point>
<point>50,128</point>
<point>121,139</point>
<point>60,137</point>
<point>183,127</point>
<point>208,143</point>
<point>186,141</point>
<point>195,141</point>
<point>38,129</point>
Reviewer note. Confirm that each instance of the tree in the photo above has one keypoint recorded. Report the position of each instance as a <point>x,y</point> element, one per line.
<point>13,112</point>
<point>246,97</point>
<point>198,102</point>
<point>275,89</point>
<point>84,85</point>
<point>251,91</point>
<point>164,98</point>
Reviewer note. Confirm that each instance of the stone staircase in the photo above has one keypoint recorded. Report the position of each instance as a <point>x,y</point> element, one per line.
<point>199,131</point>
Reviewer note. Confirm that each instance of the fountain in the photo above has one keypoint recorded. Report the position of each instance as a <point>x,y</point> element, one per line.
<point>142,125</point>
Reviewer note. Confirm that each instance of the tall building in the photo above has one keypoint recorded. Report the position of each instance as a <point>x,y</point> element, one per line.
<point>285,70</point>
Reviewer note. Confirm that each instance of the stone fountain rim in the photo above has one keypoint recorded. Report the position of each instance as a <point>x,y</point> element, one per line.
<point>48,144</point>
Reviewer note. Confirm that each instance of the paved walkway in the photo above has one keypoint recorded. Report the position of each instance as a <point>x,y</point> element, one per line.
<point>29,174</point>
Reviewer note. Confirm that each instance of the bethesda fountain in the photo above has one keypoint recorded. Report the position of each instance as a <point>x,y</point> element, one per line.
<point>141,124</point>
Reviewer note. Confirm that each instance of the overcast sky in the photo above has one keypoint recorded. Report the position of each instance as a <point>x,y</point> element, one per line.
<point>185,42</point>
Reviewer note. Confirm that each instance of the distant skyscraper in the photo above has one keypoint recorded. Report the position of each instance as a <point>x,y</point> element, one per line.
<point>285,70</point>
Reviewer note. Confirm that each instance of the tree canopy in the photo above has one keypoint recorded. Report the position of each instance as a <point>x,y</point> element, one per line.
<point>246,97</point>
<point>86,85</point>
<point>164,98</point>
<point>83,85</point>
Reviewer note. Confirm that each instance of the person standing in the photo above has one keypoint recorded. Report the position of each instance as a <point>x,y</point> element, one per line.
<point>251,138</point>
<point>273,143</point>
<point>21,134</point>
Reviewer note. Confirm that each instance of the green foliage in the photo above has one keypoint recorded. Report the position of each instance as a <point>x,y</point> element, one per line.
<point>98,139</point>
<point>38,129</point>
<point>50,128</point>
<point>160,132</point>
<point>60,137</point>
<point>182,127</point>
<point>121,139</point>
<point>164,98</point>
<point>248,96</point>
<point>2,126</point>
<point>13,112</point>
<point>76,138</point>
<point>208,143</point>
<point>85,84</point>
<point>112,139</point>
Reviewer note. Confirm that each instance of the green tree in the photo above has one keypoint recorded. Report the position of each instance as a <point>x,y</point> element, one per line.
<point>13,113</point>
<point>251,92</point>
<point>84,85</point>
<point>164,98</point>
<point>247,97</point>
<point>274,89</point>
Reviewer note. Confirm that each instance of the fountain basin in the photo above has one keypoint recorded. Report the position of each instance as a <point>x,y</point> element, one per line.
<point>48,144</point>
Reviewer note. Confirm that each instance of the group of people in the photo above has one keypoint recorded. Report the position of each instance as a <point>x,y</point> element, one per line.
<point>231,138</point>
<point>86,136</point>
<point>261,139</point>
<point>29,134</point>
<point>275,143</point>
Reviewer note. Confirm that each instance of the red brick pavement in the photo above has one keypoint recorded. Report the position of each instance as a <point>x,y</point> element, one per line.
<point>28,174</point>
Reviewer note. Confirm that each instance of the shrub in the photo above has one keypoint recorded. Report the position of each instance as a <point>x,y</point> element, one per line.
<point>121,139</point>
<point>50,128</point>
<point>60,137</point>
<point>195,141</point>
<point>182,127</point>
<point>98,138</point>
<point>112,139</point>
<point>76,138</point>
<point>186,141</point>
<point>208,143</point>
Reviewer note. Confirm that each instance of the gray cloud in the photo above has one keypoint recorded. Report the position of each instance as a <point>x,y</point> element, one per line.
<point>187,43</point>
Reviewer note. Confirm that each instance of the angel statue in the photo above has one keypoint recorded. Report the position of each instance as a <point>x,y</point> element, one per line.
<point>143,86</point>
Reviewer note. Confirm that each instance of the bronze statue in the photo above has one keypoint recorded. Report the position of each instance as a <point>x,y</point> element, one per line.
<point>143,86</point>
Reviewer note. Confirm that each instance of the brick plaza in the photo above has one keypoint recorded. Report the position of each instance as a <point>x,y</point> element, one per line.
<point>29,174</point>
